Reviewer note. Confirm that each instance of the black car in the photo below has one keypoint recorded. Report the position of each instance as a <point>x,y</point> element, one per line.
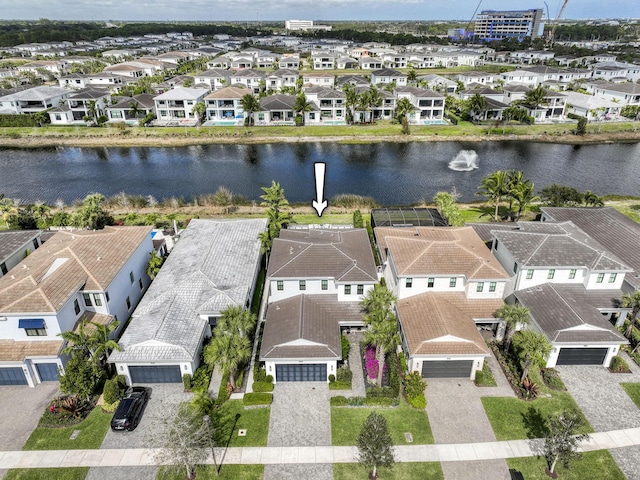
<point>131,406</point>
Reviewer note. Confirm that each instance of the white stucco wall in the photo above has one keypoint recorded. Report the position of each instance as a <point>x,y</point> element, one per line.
<point>313,286</point>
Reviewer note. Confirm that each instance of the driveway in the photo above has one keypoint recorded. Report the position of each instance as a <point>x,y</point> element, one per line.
<point>301,417</point>
<point>606,405</point>
<point>163,401</point>
<point>456,415</point>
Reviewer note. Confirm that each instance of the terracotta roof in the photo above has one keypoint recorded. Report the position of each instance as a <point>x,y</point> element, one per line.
<point>228,92</point>
<point>307,326</point>
<point>12,351</point>
<point>47,278</point>
<point>443,323</point>
<point>90,318</point>
<point>313,253</point>
<point>439,251</point>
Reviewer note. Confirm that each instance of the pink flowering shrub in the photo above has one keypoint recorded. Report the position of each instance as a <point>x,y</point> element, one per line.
<point>371,363</point>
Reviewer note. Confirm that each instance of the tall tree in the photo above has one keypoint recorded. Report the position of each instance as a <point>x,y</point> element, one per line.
<point>91,340</point>
<point>375,447</point>
<point>236,320</point>
<point>250,105</point>
<point>448,208</point>
<point>350,101</point>
<point>374,99</point>
<point>92,214</point>
<point>230,351</point>
<point>403,108</point>
<point>382,323</point>
<point>514,316</point>
<point>494,187</point>
<point>562,439</point>
<point>535,97</point>
<point>154,265</point>
<point>477,106</point>
<point>200,109</point>
<point>632,301</point>
<point>532,348</point>
<point>278,218</point>
<point>301,105</point>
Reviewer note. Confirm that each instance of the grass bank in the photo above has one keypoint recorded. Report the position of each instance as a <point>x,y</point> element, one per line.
<point>599,464</point>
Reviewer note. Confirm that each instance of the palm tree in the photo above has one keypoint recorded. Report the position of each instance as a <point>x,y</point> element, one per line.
<point>230,352</point>
<point>403,108</point>
<point>592,200</point>
<point>301,105</point>
<point>351,100</point>
<point>477,106</point>
<point>78,342</point>
<point>92,340</point>
<point>374,99</point>
<point>277,218</point>
<point>412,76</point>
<point>101,341</point>
<point>514,316</point>
<point>535,97</point>
<point>250,105</point>
<point>494,188</point>
<point>533,349</point>
<point>199,109</point>
<point>236,319</point>
<point>135,109</point>
<point>524,197</point>
<point>632,301</point>
<point>382,322</point>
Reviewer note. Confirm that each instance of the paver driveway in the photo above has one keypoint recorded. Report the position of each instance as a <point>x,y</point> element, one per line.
<point>606,405</point>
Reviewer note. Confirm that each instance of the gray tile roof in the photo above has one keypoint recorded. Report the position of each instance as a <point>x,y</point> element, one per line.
<point>307,326</point>
<point>277,102</point>
<point>569,313</point>
<point>573,247</point>
<point>11,241</point>
<point>617,232</point>
<point>344,255</point>
<point>35,94</point>
<point>485,230</point>
<point>212,267</point>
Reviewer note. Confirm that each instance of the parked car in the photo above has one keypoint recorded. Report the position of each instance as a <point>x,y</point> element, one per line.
<point>130,409</point>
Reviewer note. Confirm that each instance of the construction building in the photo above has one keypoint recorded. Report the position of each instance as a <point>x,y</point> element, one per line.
<point>497,25</point>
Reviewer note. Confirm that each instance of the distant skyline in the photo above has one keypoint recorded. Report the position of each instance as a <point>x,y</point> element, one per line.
<point>281,10</point>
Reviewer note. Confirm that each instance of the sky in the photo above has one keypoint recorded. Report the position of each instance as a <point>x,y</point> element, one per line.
<point>269,10</point>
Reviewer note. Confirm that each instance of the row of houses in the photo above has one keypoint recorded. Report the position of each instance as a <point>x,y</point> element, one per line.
<point>570,269</point>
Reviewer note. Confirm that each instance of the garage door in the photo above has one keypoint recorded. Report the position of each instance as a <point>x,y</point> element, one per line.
<point>301,373</point>
<point>447,369</point>
<point>12,376</point>
<point>159,374</point>
<point>582,356</point>
<point>48,372</point>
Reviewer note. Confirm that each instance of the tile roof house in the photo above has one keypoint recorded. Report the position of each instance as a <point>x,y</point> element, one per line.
<point>122,110</point>
<point>176,106</point>
<point>74,274</point>
<point>15,245</point>
<point>448,286</point>
<point>33,100</point>
<point>428,105</point>
<point>213,266</point>
<point>316,279</point>
<point>571,284</point>
<point>224,106</point>
<point>330,106</point>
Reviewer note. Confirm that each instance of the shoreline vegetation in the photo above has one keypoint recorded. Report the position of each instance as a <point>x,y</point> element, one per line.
<point>113,136</point>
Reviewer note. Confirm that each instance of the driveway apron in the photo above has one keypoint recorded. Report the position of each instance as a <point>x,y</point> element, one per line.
<point>300,417</point>
<point>606,405</point>
<point>457,416</point>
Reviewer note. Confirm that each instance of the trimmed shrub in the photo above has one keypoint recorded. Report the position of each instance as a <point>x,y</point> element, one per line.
<point>251,399</point>
<point>381,392</point>
<point>414,387</point>
<point>358,222</point>
<point>261,387</point>
<point>259,373</point>
<point>552,379</point>
<point>18,120</point>
<point>186,381</point>
<point>201,378</point>
<point>346,346</point>
<point>341,401</point>
<point>268,379</point>
<point>113,390</point>
<point>223,394</point>
<point>338,385</point>
<point>338,401</point>
<point>344,375</point>
<point>332,378</point>
<point>619,365</point>
<point>403,362</point>
<point>394,372</point>
<point>110,407</point>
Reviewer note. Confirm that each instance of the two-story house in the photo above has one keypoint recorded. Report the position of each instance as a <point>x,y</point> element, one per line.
<point>282,77</point>
<point>316,279</point>
<point>428,105</point>
<point>176,105</point>
<point>385,76</point>
<point>331,106</point>
<point>33,100</point>
<point>15,245</point>
<point>215,78</point>
<point>250,78</point>
<point>95,275</point>
<point>83,106</point>
<point>224,107</point>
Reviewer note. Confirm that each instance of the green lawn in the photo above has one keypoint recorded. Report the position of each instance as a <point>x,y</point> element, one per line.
<point>633,390</point>
<point>75,473</point>
<point>255,421</point>
<point>339,218</point>
<point>92,432</point>
<point>598,464</point>
<point>227,472</point>
<point>485,378</point>
<point>400,471</point>
<point>346,424</point>
<point>514,419</point>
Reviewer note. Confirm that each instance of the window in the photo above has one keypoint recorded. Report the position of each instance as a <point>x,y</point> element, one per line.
<point>36,332</point>
<point>551,274</point>
<point>492,286</point>
<point>106,295</point>
<point>409,283</point>
<point>325,284</point>
<point>529,274</point>
<point>35,243</point>
<point>3,268</point>
<point>430,282</point>
<point>572,274</point>
<point>87,300</point>
<point>97,300</point>
<point>612,278</point>
<point>347,289</point>
<point>128,304</point>
<point>58,116</point>
<point>302,285</point>
<point>131,277</point>
<point>515,267</point>
<point>452,282</point>
<point>360,289</point>
<point>480,287</point>
<point>280,285</point>
<point>600,278</point>
<point>495,244</point>
<point>76,306</point>
<point>140,283</point>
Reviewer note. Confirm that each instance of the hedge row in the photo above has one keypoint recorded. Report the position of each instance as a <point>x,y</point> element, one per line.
<point>341,401</point>
<point>18,121</point>
<point>262,387</point>
<point>258,398</point>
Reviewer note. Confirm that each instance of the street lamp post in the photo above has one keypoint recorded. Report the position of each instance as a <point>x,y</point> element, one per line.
<point>207,420</point>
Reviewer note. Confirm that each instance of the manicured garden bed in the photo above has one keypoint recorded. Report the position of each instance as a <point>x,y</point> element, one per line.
<point>599,464</point>
<point>92,432</point>
<point>633,390</point>
<point>346,423</point>
<point>71,473</point>
<point>400,471</point>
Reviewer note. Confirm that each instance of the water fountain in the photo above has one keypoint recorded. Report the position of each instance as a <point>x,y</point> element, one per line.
<point>464,161</point>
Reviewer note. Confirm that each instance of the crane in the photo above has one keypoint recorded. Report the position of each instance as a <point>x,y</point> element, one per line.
<point>555,24</point>
<point>466,30</point>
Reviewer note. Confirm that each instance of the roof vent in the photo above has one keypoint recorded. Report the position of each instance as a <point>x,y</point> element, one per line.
<point>99,259</point>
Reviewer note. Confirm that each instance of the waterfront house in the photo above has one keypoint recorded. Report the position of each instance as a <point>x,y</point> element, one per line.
<point>81,107</point>
<point>224,106</point>
<point>15,245</point>
<point>123,110</point>
<point>276,110</point>
<point>330,105</point>
<point>33,100</point>
<point>175,107</point>
<point>428,105</point>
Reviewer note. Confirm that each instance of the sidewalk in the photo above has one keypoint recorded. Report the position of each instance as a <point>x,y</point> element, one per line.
<point>309,455</point>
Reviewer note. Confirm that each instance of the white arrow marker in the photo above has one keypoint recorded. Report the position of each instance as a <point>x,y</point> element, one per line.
<point>320,203</point>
